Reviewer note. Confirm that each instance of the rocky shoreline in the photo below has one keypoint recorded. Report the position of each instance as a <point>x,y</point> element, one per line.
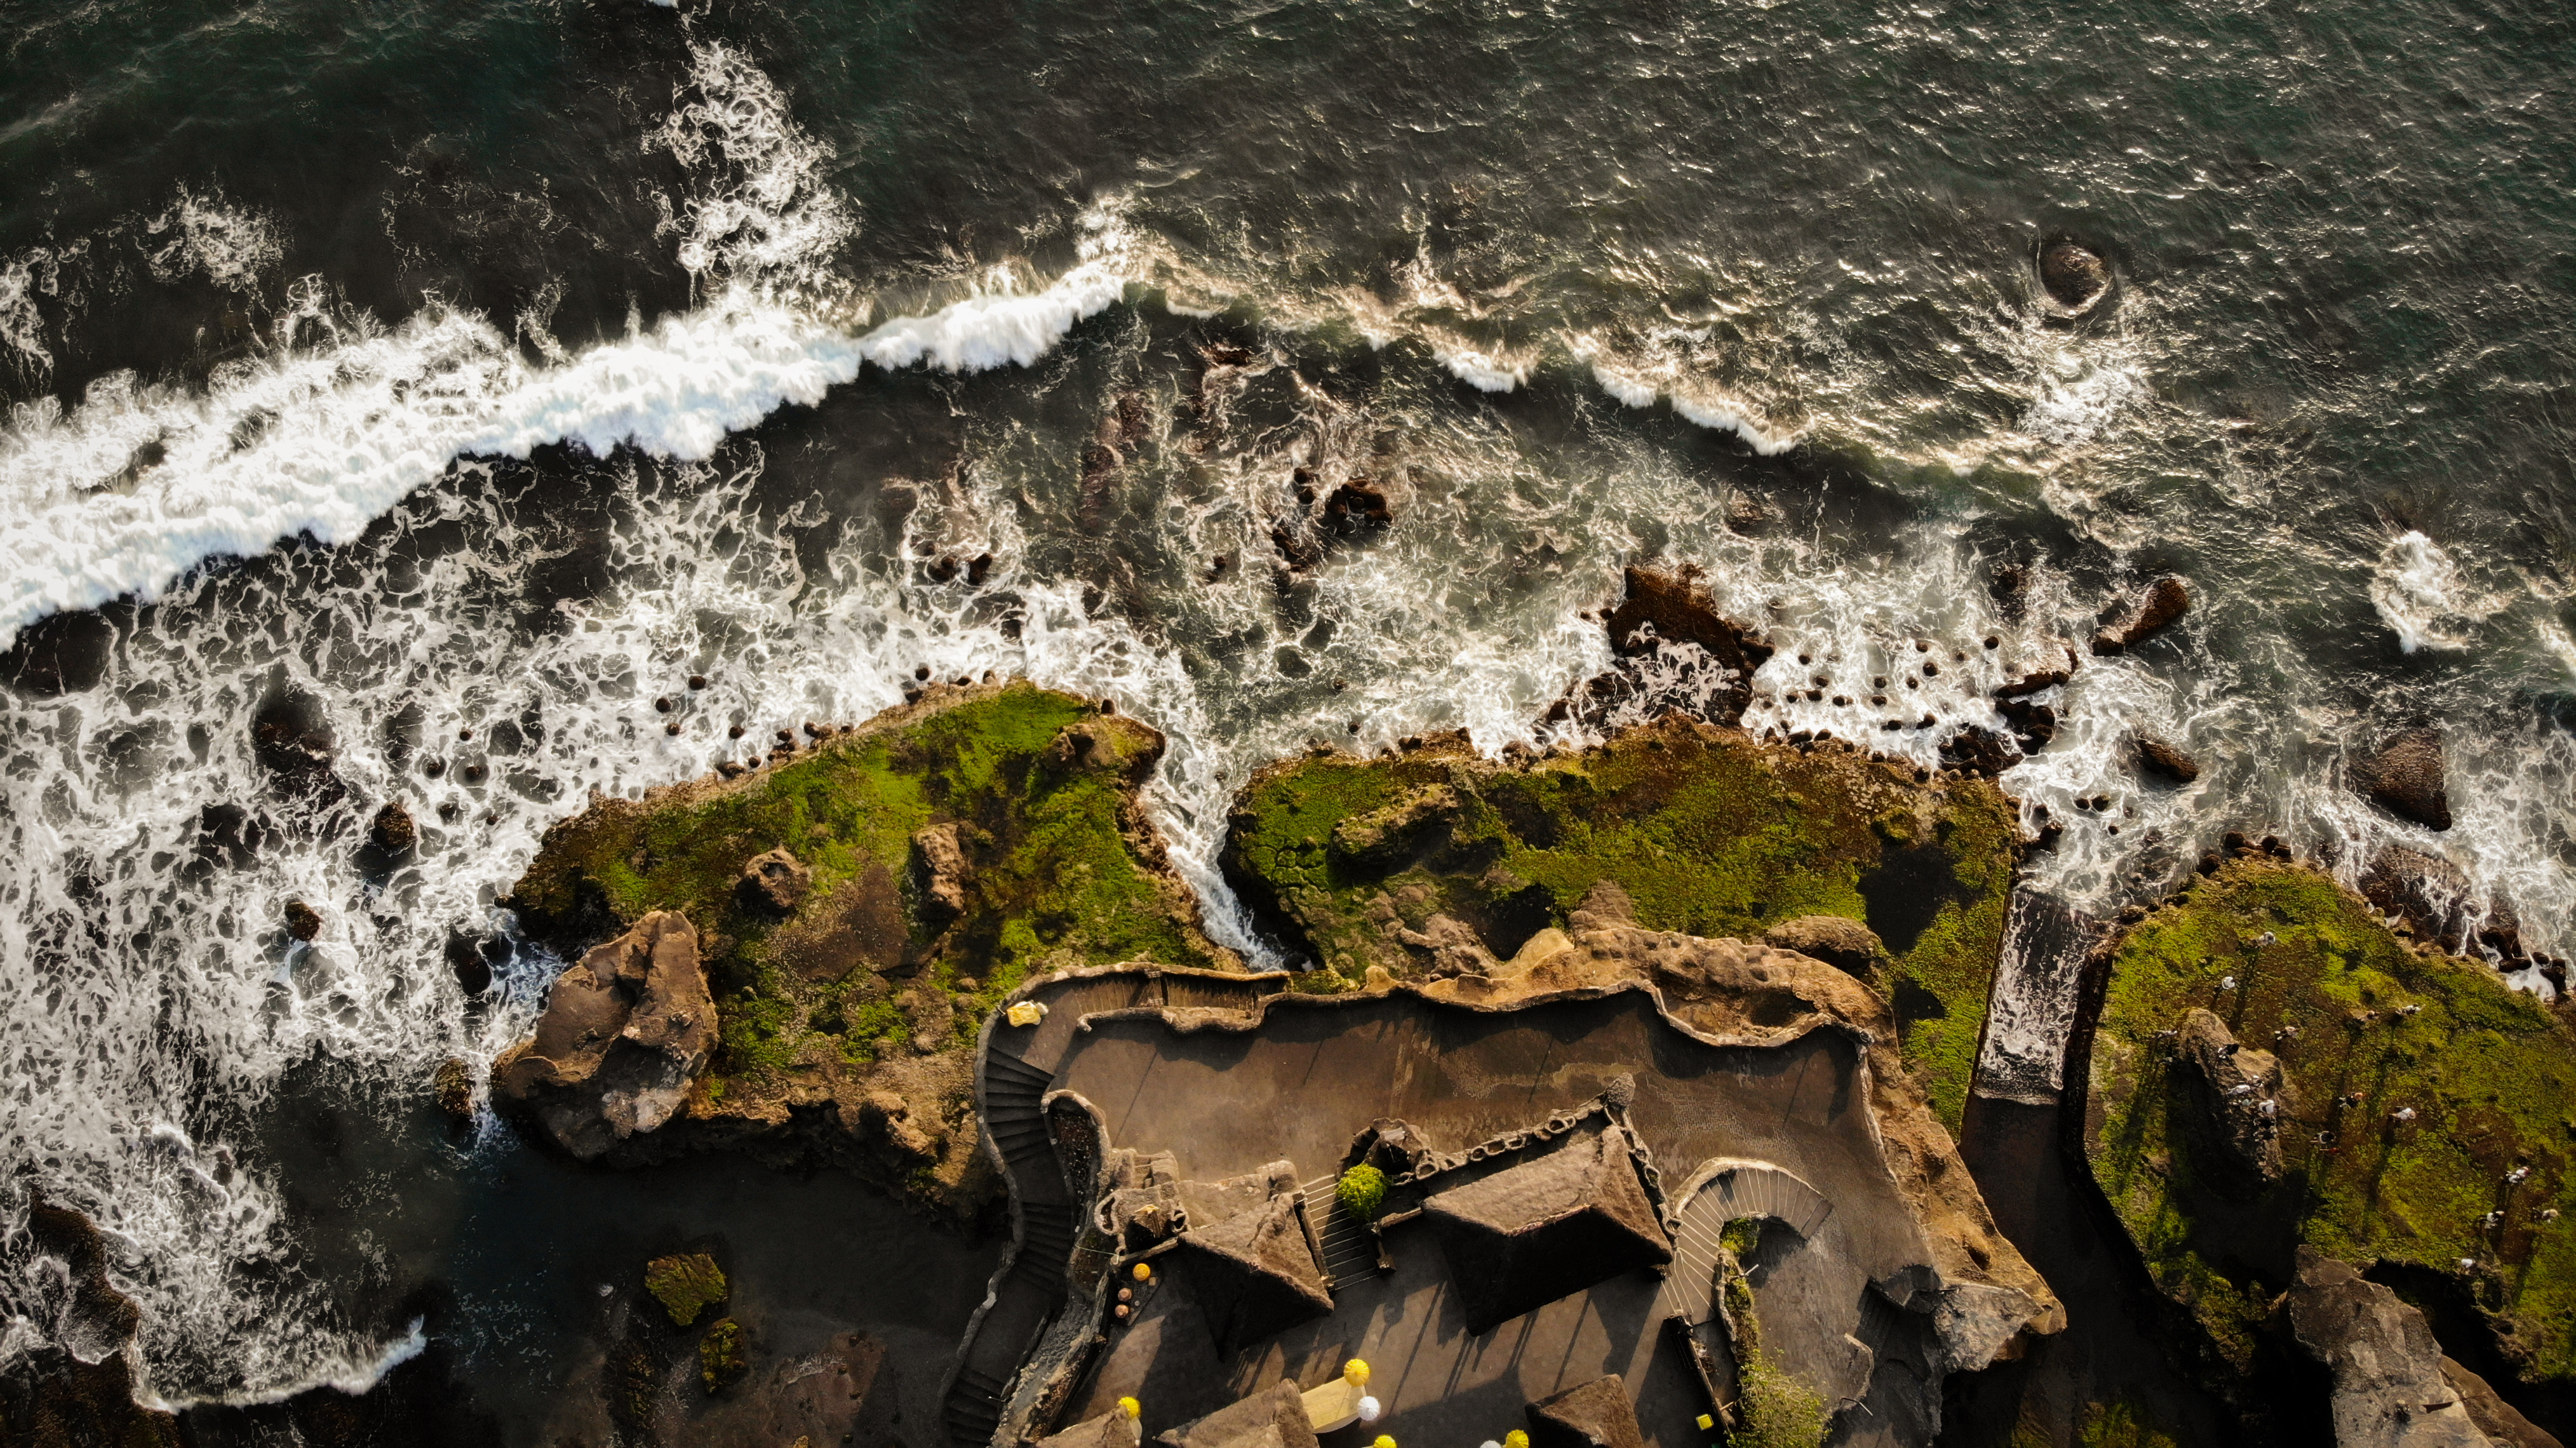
<point>2325,1125</point>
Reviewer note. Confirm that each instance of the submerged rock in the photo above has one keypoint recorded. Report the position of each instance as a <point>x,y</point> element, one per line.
<point>2427,892</point>
<point>624,1034</point>
<point>2075,276</point>
<point>2389,1387</point>
<point>1663,606</point>
<point>2150,609</point>
<point>2404,777</point>
<point>78,1388</point>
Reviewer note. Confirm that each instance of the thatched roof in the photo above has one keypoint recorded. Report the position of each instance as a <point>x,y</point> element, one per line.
<point>1272,1418</point>
<point>1254,1274</point>
<point>1529,1234</point>
<point>1595,1415</point>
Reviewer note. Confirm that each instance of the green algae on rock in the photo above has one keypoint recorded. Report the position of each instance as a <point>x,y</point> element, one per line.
<point>720,1360</point>
<point>862,904</point>
<point>1427,861</point>
<point>2424,1114</point>
<point>685,1285</point>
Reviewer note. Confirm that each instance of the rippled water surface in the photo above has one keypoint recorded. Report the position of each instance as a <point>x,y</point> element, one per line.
<point>408,371</point>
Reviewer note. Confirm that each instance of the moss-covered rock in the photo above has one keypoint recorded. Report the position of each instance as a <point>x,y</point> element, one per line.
<point>1420,862</point>
<point>685,1284</point>
<point>2425,1121</point>
<point>720,1355</point>
<point>863,902</point>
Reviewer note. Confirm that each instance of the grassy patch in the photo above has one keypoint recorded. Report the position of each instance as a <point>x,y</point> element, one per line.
<point>1708,831</point>
<point>2376,1027</point>
<point>1060,870</point>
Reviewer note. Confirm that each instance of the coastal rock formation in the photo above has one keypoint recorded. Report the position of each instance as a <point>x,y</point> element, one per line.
<point>2421,1120</point>
<point>624,1035</point>
<point>1837,940</point>
<point>2426,891</point>
<point>2157,756</point>
<point>79,1387</point>
<point>1667,606</point>
<point>2241,1106</point>
<point>862,904</point>
<point>2404,777</point>
<point>1438,862</point>
<point>2389,1387</point>
<point>2150,609</point>
<point>2075,276</point>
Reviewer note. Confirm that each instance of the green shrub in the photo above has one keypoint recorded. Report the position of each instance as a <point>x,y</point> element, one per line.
<point>1362,1191</point>
<point>1775,1409</point>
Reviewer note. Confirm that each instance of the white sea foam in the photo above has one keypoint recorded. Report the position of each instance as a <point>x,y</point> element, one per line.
<point>138,484</point>
<point>231,246</point>
<point>1693,402</point>
<point>2419,592</point>
<point>1482,371</point>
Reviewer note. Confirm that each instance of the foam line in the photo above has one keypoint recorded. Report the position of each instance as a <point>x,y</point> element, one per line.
<point>137,485</point>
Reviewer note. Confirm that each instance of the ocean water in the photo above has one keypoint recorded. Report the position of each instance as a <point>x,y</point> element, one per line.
<point>458,379</point>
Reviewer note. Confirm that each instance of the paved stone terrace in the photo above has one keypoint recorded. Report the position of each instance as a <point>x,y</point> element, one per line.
<point>1319,1070</point>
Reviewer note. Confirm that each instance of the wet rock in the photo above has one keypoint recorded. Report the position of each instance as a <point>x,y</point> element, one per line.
<point>2075,276</point>
<point>2033,725</point>
<point>2010,589</point>
<point>303,921</point>
<point>1668,606</point>
<point>2242,1102</point>
<point>1356,505</point>
<point>2150,609</point>
<point>2158,757</point>
<point>392,835</point>
<point>2389,1388</point>
<point>78,1389</point>
<point>1980,750</point>
<point>2426,891</point>
<point>625,1032</point>
<point>2033,681</point>
<point>454,1085</point>
<point>720,1355</point>
<point>1844,944</point>
<point>2405,778</point>
<point>686,1284</point>
<point>295,746</point>
<point>774,882</point>
<point>941,869</point>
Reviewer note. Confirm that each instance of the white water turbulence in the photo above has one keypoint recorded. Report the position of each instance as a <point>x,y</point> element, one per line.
<point>2420,594</point>
<point>139,483</point>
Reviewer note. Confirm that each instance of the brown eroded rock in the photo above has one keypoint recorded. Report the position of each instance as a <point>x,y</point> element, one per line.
<point>775,881</point>
<point>2156,756</point>
<point>2502,1422</point>
<point>78,1389</point>
<point>624,1033</point>
<point>2426,891</point>
<point>2076,276</point>
<point>302,920</point>
<point>2244,1098</point>
<point>2389,1388</point>
<point>2150,609</point>
<point>2405,778</point>
<point>1661,606</point>
<point>942,872</point>
<point>1842,943</point>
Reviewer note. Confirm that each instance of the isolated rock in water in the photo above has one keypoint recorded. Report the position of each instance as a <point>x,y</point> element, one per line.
<point>2155,756</point>
<point>2405,778</point>
<point>686,1284</point>
<point>302,920</point>
<point>1842,943</point>
<point>2076,276</point>
<point>2389,1390</point>
<point>2243,1103</point>
<point>2158,604</point>
<point>624,1033</point>
<point>392,834</point>
<point>775,882</point>
<point>454,1085</point>
<point>943,872</point>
